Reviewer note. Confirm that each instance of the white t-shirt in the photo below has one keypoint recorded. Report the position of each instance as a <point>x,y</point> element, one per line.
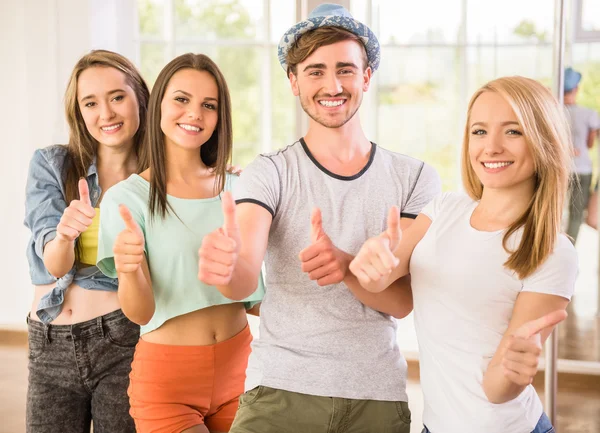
<point>582,120</point>
<point>463,302</point>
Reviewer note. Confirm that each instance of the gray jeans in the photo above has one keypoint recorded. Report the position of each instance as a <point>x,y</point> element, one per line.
<point>579,196</point>
<point>79,373</point>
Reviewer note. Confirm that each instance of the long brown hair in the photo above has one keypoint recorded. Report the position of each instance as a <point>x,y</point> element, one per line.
<point>82,147</point>
<point>546,131</point>
<point>215,153</point>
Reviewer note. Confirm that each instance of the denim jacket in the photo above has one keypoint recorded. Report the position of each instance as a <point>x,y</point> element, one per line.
<point>44,205</point>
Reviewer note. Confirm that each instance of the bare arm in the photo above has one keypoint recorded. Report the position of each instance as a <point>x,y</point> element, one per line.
<point>59,253</point>
<point>592,138</point>
<point>385,258</point>
<point>515,362</point>
<point>135,285</point>
<point>396,300</point>
<point>59,256</point>
<point>136,295</point>
<point>231,257</point>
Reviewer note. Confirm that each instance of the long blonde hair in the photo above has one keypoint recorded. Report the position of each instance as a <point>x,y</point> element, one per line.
<point>546,131</point>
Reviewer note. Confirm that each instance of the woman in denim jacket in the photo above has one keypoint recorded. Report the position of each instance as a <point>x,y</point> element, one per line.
<point>80,343</point>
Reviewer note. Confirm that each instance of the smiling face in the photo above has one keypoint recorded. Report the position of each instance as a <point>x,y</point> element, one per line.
<point>498,151</point>
<point>108,105</point>
<point>331,81</point>
<point>189,109</point>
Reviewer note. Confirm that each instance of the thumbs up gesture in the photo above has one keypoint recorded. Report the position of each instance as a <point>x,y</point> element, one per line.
<point>376,258</point>
<point>78,216</point>
<point>128,248</point>
<point>521,355</point>
<point>322,261</point>
<point>219,250</point>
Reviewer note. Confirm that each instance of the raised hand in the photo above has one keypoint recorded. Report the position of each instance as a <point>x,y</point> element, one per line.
<point>78,216</point>
<point>520,360</point>
<point>219,251</point>
<point>322,261</point>
<point>376,258</point>
<point>128,248</point>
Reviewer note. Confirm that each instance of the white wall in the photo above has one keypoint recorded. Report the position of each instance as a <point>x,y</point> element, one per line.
<point>41,41</point>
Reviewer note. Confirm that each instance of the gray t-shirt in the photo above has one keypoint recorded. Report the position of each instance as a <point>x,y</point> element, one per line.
<point>583,120</point>
<point>321,340</point>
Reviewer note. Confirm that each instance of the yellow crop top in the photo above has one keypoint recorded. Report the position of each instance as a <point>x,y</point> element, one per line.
<point>89,241</point>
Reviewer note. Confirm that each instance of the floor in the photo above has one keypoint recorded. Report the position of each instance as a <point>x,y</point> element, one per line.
<point>578,400</point>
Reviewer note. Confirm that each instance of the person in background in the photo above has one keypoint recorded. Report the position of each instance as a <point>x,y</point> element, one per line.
<point>585,124</point>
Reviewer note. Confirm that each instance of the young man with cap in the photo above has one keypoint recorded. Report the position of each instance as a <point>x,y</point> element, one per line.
<point>327,358</point>
<point>584,129</point>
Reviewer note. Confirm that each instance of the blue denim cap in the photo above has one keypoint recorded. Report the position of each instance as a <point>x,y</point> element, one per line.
<point>572,79</point>
<point>331,15</point>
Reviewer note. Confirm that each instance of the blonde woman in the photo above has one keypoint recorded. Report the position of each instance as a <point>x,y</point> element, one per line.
<point>80,343</point>
<point>491,272</point>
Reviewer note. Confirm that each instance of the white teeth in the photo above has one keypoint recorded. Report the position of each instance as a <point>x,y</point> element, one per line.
<point>189,127</point>
<point>496,164</point>
<point>111,128</point>
<point>332,103</point>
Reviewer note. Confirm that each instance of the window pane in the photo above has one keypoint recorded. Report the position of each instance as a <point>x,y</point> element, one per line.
<point>586,59</point>
<point>510,21</point>
<point>404,22</point>
<point>283,16</point>
<point>150,17</point>
<point>590,15</point>
<point>487,63</point>
<point>419,112</point>
<point>218,19</point>
<point>244,88</point>
<point>283,103</point>
<point>152,59</point>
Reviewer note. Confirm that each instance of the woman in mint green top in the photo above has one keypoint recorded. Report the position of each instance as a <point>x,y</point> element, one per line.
<point>151,228</point>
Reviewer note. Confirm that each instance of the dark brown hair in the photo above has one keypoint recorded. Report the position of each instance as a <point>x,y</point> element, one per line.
<point>215,153</point>
<point>309,42</point>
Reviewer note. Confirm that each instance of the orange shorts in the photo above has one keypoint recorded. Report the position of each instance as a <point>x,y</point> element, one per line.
<point>173,388</point>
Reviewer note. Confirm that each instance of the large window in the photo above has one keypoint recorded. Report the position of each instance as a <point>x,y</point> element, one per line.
<point>241,36</point>
<point>433,62</point>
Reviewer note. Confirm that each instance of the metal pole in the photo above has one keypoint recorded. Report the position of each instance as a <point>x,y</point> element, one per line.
<point>550,378</point>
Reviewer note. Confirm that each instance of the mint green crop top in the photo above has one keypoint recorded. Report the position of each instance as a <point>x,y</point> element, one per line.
<point>171,247</point>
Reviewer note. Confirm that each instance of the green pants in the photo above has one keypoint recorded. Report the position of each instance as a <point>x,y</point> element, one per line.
<point>268,410</point>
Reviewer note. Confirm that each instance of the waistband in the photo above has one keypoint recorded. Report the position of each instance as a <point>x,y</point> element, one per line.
<point>88,329</point>
<point>157,350</point>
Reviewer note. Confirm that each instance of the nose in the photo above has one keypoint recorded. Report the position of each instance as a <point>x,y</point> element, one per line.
<point>106,112</point>
<point>493,143</point>
<point>332,85</point>
<point>195,113</point>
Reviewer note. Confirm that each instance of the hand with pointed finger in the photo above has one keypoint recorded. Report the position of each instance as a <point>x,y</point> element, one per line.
<point>219,251</point>
<point>322,261</point>
<point>376,258</point>
<point>522,351</point>
<point>78,216</point>
<point>128,248</point>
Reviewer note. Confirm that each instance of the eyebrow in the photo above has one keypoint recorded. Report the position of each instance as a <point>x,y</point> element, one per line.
<point>324,66</point>
<point>108,93</point>
<point>189,95</point>
<point>510,122</point>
